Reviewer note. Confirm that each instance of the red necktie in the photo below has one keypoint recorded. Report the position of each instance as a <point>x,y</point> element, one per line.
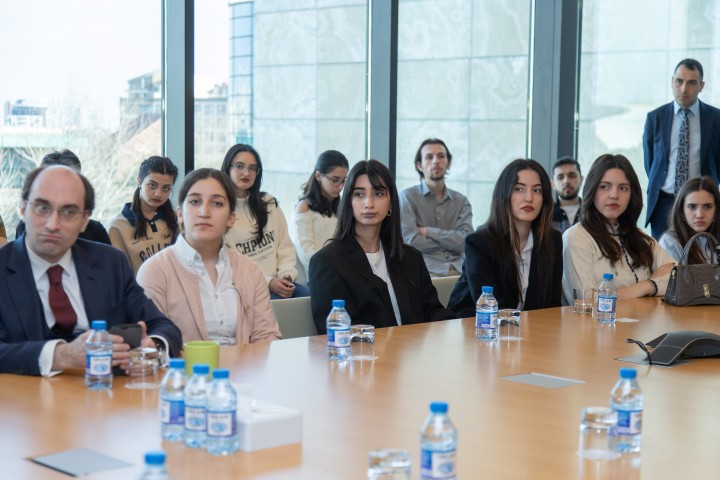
<point>65,317</point>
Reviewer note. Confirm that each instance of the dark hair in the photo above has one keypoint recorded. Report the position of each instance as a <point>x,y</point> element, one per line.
<point>63,157</point>
<point>566,160</point>
<point>638,245</point>
<point>678,222</point>
<point>203,173</point>
<point>312,191</point>
<point>501,225</point>
<point>256,204</point>
<point>690,64</point>
<point>430,141</point>
<point>380,178</point>
<point>89,204</point>
<point>163,166</point>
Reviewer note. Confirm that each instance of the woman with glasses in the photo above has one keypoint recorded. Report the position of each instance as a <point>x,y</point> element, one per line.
<point>149,223</point>
<point>384,282</point>
<point>209,290</point>
<point>315,215</point>
<point>608,240</point>
<point>260,231</point>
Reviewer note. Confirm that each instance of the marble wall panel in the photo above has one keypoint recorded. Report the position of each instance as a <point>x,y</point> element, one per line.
<point>285,92</point>
<point>499,88</point>
<point>500,27</point>
<point>433,89</point>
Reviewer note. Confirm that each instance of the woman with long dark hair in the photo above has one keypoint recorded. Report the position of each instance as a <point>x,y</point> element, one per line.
<point>260,231</point>
<point>207,288</point>
<point>695,211</point>
<point>383,281</point>
<point>149,223</point>
<point>315,215</point>
<point>608,240</point>
<point>517,252</point>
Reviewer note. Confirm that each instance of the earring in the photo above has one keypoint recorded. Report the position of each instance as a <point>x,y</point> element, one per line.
<point>389,212</point>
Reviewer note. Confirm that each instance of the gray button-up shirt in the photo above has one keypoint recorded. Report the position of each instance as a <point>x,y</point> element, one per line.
<point>448,222</point>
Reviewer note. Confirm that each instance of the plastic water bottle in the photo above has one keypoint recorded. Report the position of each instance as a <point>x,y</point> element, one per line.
<point>222,436</point>
<point>155,467</point>
<point>627,400</point>
<point>98,357</point>
<point>606,300</point>
<point>172,401</point>
<point>338,331</point>
<point>196,406</point>
<point>486,311</point>
<point>438,443</point>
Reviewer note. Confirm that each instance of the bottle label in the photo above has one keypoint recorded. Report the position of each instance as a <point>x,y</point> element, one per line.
<point>629,422</point>
<point>172,412</point>
<point>338,338</point>
<point>195,418</point>
<point>435,464</point>
<point>485,319</point>
<point>606,304</point>
<point>221,424</point>
<point>100,365</point>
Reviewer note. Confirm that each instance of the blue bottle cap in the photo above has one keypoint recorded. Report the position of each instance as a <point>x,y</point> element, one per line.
<point>338,303</point>
<point>487,289</point>
<point>177,363</point>
<point>219,373</point>
<point>439,407</point>
<point>155,458</point>
<point>607,276</point>
<point>628,373</point>
<point>201,368</point>
<point>98,325</point>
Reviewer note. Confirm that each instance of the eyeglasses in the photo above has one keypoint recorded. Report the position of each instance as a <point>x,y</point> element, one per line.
<point>45,210</point>
<point>241,167</point>
<point>335,180</point>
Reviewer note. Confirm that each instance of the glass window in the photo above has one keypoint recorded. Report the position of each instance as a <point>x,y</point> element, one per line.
<point>79,81</point>
<point>628,53</point>
<point>463,78</point>
<point>297,81</point>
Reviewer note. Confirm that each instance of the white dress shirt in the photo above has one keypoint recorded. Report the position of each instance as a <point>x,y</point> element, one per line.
<point>220,300</point>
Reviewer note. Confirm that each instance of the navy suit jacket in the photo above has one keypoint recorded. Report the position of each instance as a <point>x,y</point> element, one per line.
<point>656,148</point>
<point>109,293</point>
<point>341,270</point>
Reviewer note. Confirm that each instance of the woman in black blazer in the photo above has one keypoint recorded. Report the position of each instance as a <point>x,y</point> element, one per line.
<point>383,281</point>
<point>518,229</point>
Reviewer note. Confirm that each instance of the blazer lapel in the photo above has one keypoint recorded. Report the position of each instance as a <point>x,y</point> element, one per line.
<point>91,281</point>
<point>23,291</point>
<point>358,259</point>
<point>667,131</point>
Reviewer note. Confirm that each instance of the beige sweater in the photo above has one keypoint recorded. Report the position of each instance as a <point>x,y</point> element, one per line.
<point>176,293</point>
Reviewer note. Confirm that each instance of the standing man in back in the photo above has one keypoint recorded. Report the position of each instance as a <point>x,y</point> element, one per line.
<point>680,142</point>
<point>435,219</point>
<point>566,181</point>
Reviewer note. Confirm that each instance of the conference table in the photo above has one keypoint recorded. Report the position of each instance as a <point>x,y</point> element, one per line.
<point>506,429</point>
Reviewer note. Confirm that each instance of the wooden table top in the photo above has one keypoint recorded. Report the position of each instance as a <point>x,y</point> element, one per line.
<point>506,429</point>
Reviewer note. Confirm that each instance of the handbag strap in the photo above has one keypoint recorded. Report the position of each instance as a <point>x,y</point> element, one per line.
<point>686,251</point>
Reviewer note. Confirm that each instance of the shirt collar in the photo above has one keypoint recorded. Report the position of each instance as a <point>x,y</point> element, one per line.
<point>694,108</point>
<point>39,265</point>
<point>425,190</point>
<point>189,256</point>
<point>529,245</point>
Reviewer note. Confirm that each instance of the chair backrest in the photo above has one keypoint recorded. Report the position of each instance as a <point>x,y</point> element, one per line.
<point>444,287</point>
<point>294,317</point>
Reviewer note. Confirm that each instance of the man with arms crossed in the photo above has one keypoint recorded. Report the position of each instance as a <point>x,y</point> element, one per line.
<point>53,284</point>
<point>566,181</point>
<point>680,142</point>
<point>435,219</point>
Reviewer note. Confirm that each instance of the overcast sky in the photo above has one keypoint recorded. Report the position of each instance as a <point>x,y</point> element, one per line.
<point>88,49</point>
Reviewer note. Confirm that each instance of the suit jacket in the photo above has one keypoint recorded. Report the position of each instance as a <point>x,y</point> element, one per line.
<point>109,293</point>
<point>656,148</point>
<point>484,267</point>
<point>341,270</point>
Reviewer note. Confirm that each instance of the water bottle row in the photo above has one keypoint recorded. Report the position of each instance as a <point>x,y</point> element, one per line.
<point>199,411</point>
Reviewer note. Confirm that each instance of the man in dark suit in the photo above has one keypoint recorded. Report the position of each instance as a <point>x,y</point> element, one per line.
<point>52,284</point>
<point>680,142</point>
